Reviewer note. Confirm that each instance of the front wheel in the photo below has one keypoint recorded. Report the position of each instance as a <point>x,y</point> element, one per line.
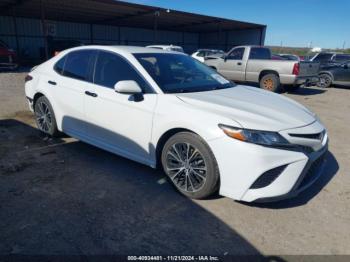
<point>190,165</point>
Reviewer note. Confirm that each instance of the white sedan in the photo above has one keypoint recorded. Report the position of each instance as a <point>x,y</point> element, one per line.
<point>164,108</point>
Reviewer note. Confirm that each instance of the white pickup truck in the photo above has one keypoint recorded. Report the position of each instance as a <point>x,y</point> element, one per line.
<point>255,64</point>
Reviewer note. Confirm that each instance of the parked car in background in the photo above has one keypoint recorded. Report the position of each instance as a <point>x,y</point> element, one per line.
<point>277,57</point>
<point>290,57</point>
<point>8,57</point>
<point>338,74</point>
<point>255,64</point>
<point>168,47</point>
<point>207,133</point>
<point>202,54</point>
<point>328,58</point>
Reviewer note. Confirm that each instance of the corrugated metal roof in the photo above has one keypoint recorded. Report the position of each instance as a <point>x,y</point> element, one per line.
<point>118,13</point>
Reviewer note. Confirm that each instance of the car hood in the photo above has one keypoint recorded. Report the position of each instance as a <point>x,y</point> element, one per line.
<point>252,108</point>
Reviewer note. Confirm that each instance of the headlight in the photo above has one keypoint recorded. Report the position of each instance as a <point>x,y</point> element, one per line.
<point>265,138</point>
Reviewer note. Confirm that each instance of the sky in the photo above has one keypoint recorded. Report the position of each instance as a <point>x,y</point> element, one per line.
<point>297,23</point>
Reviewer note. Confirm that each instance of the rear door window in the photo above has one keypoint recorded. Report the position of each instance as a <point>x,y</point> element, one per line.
<point>78,64</point>
<point>342,58</point>
<point>259,53</point>
<point>323,57</point>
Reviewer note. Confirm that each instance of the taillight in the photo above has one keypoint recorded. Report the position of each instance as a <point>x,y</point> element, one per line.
<point>296,69</point>
<point>28,78</point>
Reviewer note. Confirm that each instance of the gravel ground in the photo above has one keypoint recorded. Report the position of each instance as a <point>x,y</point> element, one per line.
<point>61,196</point>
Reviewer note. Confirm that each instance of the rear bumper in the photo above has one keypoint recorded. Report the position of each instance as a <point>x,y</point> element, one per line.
<point>307,80</point>
<point>30,103</point>
<point>298,80</point>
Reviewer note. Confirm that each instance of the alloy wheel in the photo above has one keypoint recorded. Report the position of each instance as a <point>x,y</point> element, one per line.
<point>268,84</point>
<point>325,81</point>
<point>43,117</point>
<point>186,167</point>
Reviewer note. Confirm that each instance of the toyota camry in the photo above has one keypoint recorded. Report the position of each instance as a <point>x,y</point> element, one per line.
<point>164,108</point>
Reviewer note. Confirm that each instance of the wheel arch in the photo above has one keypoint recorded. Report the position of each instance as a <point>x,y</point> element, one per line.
<point>36,97</point>
<point>266,72</point>
<point>326,73</point>
<point>164,138</point>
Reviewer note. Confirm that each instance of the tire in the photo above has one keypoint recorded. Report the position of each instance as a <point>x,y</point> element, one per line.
<point>270,82</point>
<point>190,165</point>
<point>325,81</point>
<point>45,117</point>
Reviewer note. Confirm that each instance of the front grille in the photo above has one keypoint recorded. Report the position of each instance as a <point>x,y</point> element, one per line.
<point>268,177</point>
<point>306,149</point>
<point>4,59</point>
<point>313,171</point>
<point>317,136</point>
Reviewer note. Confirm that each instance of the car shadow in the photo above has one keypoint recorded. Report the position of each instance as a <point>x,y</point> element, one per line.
<point>65,197</point>
<point>340,86</point>
<point>304,91</point>
<point>330,170</point>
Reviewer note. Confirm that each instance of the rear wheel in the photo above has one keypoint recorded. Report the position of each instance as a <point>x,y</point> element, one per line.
<point>270,82</point>
<point>190,165</point>
<point>45,117</point>
<point>325,81</point>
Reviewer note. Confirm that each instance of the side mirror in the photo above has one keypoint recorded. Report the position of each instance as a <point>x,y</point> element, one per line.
<point>129,87</point>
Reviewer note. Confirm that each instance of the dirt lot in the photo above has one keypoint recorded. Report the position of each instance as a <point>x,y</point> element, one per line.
<point>61,196</point>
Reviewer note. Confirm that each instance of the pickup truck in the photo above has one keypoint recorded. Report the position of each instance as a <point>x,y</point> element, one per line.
<point>254,64</point>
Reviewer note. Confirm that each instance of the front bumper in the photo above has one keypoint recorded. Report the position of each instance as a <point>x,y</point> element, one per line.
<point>311,172</point>
<point>241,164</point>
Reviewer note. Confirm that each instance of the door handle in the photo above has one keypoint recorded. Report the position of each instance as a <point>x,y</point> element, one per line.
<point>90,94</point>
<point>52,82</point>
<point>239,63</point>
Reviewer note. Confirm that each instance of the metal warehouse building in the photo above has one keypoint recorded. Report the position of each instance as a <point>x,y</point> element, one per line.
<point>27,26</point>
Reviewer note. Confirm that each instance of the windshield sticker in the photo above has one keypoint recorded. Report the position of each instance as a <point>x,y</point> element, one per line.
<point>220,79</point>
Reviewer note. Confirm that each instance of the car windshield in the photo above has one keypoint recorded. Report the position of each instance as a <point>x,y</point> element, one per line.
<point>176,73</point>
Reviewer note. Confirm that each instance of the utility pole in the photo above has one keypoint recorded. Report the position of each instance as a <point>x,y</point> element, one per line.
<point>344,45</point>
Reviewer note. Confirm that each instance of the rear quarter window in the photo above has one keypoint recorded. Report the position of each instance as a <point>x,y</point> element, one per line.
<point>77,64</point>
<point>259,53</point>
<point>59,66</point>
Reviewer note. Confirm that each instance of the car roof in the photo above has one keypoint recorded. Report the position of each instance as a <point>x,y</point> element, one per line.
<point>164,46</point>
<point>123,49</point>
<point>205,49</point>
